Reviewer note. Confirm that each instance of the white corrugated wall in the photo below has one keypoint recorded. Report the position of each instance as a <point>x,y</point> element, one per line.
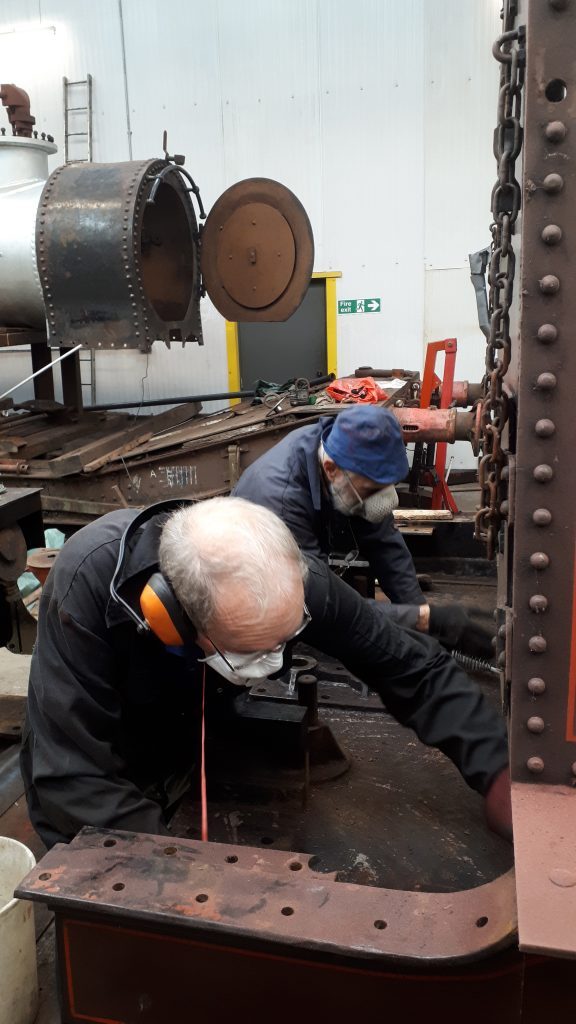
<point>378,114</point>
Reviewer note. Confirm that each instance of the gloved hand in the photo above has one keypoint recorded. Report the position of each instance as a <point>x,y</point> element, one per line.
<point>454,628</point>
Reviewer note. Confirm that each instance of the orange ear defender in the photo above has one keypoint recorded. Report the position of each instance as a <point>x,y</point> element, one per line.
<point>164,613</point>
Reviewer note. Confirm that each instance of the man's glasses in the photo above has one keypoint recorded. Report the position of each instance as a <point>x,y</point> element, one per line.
<point>258,656</point>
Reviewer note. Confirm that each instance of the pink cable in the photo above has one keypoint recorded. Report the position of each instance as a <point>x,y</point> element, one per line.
<point>203,796</point>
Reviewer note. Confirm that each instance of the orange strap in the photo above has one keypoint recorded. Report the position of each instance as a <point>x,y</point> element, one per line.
<point>203,797</point>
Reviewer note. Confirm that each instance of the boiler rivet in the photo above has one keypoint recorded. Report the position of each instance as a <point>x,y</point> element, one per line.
<point>546,381</point>
<point>553,183</point>
<point>537,645</point>
<point>536,686</point>
<point>550,284</point>
<point>539,560</point>
<point>545,428</point>
<point>551,234</point>
<point>536,724</point>
<point>538,603</point>
<point>542,517</point>
<point>535,765</point>
<point>543,473</point>
<point>555,131</point>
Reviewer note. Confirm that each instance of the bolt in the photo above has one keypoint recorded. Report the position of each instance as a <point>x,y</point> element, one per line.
<point>545,428</point>
<point>536,686</point>
<point>543,473</point>
<point>549,284</point>
<point>538,603</point>
<point>546,381</point>
<point>553,183</point>
<point>555,131</point>
<point>536,724</point>
<point>542,517</point>
<point>535,765</point>
<point>537,645</point>
<point>551,234</point>
<point>539,560</point>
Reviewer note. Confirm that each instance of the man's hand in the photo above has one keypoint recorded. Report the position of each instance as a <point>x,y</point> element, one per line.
<point>454,628</point>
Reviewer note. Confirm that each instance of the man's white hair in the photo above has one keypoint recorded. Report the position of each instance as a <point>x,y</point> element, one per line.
<point>209,545</point>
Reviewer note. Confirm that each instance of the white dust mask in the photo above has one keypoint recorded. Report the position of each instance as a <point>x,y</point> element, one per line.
<point>379,505</point>
<point>245,667</point>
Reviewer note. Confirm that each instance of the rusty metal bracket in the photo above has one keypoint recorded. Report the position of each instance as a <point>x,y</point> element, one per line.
<point>240,893</point>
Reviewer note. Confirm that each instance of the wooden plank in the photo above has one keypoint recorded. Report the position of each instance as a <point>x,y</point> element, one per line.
<point>75,462</point>
<point>122,449</point>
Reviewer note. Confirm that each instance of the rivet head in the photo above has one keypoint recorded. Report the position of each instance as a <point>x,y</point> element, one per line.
<point>539,560</point>
<point>543,473</point>
<point>537,645</point>
<point>542,517</point>
<point>502,659</point>
<point>538,603</point>
<point>555,131</point>
<point>535,765</point>
<point>562,877</point>
<point>552,234</point>
<point>549,284</point>
<point>546,381</point>
<point>536,686</point>
<point>553,183</point>
<point>504,508</point>
<point>545,428</point>
<point>535,724</point>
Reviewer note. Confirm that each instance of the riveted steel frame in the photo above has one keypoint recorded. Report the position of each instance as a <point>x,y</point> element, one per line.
<point>541,654</point>
<point>543,727</point>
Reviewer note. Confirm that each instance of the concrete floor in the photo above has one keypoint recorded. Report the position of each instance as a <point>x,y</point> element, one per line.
<point>14,672</point>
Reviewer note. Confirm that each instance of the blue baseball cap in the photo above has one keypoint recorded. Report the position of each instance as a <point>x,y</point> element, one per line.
<point>367,439</point>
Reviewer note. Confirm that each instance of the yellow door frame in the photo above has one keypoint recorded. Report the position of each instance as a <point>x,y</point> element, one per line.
<point>232,349</point>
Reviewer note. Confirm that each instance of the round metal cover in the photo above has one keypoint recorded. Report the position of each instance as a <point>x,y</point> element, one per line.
<point>257,252</point>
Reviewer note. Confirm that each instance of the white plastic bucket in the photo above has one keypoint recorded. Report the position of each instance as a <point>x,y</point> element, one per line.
<point>18,973</point>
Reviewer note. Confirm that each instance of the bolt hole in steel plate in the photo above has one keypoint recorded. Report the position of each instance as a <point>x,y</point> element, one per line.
<point>257,252</point>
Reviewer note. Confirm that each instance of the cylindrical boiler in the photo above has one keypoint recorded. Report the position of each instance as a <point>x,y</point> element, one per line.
<point>23,172</point>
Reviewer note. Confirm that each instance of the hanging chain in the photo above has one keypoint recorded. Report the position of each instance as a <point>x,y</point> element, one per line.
<point>509,50</point>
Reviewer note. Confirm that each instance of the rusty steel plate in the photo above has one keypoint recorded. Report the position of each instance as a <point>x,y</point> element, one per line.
<point>268,895</point>
<point>257,252</point>
<point>545,838</point>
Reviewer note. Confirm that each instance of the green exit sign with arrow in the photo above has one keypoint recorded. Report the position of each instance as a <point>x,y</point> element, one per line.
<point>359,305</point>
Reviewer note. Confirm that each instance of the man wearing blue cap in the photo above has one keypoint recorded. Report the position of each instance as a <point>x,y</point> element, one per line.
<point>332,483</point>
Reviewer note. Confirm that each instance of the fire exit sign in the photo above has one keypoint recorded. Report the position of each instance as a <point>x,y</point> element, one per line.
<point>359,305</point>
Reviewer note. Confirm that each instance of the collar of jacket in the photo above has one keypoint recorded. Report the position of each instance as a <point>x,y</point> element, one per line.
<point>313,467</point>
<point>140,562</point>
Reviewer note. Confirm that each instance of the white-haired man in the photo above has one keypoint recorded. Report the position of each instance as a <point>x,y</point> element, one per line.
<point>114,705</point>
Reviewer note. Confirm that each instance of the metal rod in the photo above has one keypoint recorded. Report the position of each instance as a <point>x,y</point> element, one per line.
<point>181,400</point>
<point>43,369</point>
<point>125,76</point>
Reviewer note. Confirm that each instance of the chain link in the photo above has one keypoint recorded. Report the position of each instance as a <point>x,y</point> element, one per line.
<point>509,50</point>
